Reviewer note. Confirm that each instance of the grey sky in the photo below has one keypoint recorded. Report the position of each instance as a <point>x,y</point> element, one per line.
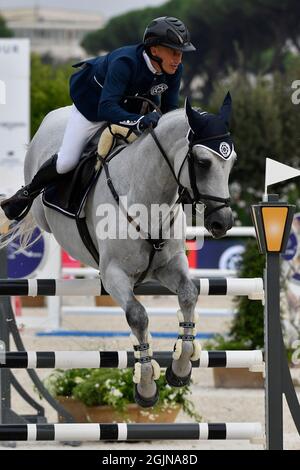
<point>106,7</point>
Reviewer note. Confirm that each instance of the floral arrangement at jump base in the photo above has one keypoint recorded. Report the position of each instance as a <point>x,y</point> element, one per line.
<point>114,387</point>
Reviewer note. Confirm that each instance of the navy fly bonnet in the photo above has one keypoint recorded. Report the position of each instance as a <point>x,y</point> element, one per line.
<point>210,130</point>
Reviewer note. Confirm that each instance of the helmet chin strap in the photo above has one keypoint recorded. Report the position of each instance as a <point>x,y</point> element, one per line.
<point>158,60</point>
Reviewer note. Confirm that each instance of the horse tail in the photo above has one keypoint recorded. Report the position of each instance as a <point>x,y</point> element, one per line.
<point>22,230</point>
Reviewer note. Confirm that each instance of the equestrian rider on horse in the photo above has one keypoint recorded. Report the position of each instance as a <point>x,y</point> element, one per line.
<point>150,69</point>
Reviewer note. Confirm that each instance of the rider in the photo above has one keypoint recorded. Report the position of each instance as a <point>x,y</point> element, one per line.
<point>98,90</point>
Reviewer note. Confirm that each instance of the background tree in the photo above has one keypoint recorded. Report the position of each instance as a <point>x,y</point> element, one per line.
<point>237,50</point>
<point>265,122</point>
<point>5,32</point>
<point>251,36</point>
<point>49,89</point>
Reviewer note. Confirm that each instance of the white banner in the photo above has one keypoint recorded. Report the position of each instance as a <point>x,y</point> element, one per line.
<point>14,111</point>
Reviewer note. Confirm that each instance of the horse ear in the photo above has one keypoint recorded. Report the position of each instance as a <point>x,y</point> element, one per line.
<point>188,110</point>
<point>195,119</point>
<point>226,108</point>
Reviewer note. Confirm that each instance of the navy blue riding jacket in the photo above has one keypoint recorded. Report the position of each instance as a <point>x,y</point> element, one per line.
<point>100,87</point>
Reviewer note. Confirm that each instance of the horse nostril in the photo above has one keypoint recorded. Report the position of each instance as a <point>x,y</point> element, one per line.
<point>216,226</point>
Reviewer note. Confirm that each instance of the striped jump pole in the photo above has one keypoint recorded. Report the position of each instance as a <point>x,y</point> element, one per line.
<point>129,432</point>
<point>122,359</point>
<point>252,287</point>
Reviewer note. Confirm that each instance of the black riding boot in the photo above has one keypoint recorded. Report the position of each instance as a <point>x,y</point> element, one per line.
<point>17,206</point>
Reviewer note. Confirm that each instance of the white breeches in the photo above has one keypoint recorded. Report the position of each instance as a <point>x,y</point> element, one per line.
<point>78,132</point>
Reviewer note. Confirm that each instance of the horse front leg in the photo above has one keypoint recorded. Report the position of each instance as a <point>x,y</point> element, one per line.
<point>146,370</point>
<point>175,276</point>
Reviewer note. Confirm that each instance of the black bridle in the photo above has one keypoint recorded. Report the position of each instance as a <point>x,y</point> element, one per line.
<point>183,191</point>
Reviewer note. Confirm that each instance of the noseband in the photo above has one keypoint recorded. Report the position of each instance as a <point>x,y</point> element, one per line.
<point>197,196</point>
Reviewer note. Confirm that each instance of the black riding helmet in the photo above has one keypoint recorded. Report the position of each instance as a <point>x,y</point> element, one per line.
<point>170,32</point>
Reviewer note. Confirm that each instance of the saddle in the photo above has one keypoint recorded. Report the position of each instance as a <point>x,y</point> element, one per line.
<point>68,196</point>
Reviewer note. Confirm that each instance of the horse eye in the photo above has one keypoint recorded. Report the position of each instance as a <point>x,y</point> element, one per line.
<point>204,163</point>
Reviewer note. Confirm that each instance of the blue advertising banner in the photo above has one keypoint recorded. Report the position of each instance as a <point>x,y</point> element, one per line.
<point>220,254</point>
<point>25,262</point>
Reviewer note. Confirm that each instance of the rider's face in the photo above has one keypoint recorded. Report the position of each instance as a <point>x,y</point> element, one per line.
<point>171,58</point>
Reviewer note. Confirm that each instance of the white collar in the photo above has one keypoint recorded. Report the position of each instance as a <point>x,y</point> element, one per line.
<point>149,64</point>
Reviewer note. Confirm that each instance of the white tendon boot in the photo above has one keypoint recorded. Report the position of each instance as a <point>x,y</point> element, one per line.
<point>187,333</point>
<point>143,355</point>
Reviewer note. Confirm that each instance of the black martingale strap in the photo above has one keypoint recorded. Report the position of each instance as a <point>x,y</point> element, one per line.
<point>86,238</point>
<point>156,244</point>
<point>144,273</point>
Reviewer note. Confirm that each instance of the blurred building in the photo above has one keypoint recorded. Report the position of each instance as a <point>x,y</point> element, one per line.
<point>52,31</point>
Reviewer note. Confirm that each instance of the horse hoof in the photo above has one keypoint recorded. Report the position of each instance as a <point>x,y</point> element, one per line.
<point>176,381</point>
<point>145,402</point>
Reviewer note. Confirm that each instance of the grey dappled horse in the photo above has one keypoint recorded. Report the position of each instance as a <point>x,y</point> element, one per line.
<point>141,173</point>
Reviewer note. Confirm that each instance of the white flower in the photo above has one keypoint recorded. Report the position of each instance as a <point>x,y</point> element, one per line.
<point>116,393</point>
<point>152,417</point>
<point>78,380</point>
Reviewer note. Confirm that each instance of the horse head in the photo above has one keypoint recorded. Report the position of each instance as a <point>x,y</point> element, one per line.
<point>209,161</point>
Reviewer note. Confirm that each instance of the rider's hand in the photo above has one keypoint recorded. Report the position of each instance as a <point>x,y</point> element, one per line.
<point>150,119</point>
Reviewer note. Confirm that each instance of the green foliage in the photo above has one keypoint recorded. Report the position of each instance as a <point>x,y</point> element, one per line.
<point>256,115</point>
<point>127,28</point>
<point>113,387</point>
<point>49,89</point>
<point>264,123</point>
<point>119,31</point>
<point>248,324</point>
<point>227,33</point>
<point>5,32</point>
<point>247,328</point>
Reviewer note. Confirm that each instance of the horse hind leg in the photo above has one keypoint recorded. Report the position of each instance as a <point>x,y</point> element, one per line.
<point>146,370</point>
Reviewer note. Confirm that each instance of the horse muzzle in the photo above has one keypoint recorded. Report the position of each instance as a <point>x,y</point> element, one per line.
<point>219,222</point>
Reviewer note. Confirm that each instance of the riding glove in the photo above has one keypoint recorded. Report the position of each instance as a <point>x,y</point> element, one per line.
<point>150,119</point>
